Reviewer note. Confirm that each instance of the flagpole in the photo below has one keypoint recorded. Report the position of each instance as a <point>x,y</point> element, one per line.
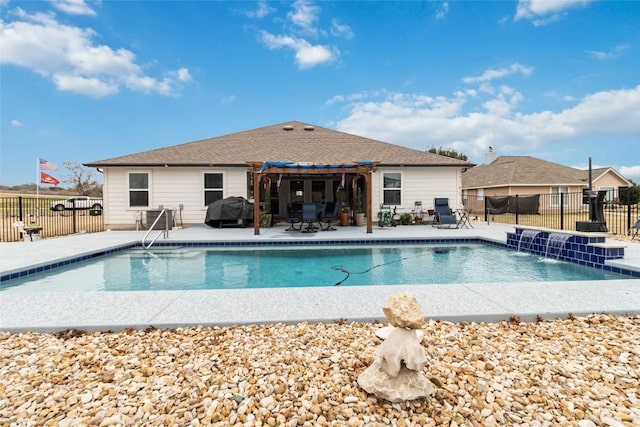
<point>38,188</point>
<point>38,178</point>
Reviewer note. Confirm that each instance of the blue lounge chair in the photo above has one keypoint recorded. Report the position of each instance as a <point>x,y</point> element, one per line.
<point>443,217</point>
<point>636,228</point>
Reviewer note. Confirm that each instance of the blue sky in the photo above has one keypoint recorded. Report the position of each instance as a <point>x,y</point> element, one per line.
<point>87,80</point>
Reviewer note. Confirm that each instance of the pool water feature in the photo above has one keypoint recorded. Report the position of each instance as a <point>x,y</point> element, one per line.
<point>196,268</point>
<point>526,238</point>
<point>555,243</point>
<point>587,249</point>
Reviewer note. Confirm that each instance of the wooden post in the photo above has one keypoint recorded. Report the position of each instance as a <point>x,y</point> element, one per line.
<point>354,198</point>
<point>367,183</point>
<point>257,177</point>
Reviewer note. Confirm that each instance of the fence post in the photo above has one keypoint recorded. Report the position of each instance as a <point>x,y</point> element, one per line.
<point>73,212</point>
<point>20,214</point>
<point>628,211</point>
<point>562,210</point>
<point>517,210</point>
<point>486,210</point>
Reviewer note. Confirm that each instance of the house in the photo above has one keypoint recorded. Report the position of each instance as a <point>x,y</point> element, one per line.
<point>526,175</point>
<point>333,166</point>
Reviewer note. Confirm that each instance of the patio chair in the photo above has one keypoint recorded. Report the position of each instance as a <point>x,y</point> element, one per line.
<point>330,215</point>
<point>309,215</point>
<point>636,228</point>
<point>443,217</point>
<point>294,217</point>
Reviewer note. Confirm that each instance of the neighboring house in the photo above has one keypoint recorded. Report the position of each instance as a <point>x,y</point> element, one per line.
<point>188,177</point>
<point>526,175</point>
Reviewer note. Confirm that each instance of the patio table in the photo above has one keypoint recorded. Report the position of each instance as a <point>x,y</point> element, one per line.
<point>463,218</point>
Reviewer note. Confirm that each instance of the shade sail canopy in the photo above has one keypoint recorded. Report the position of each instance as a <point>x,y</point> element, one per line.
<point>283,166</point>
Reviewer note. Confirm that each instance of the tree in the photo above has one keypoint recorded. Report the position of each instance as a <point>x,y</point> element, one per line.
<point>81,180</point>
<point>629,195</point>
<point>448,152</point>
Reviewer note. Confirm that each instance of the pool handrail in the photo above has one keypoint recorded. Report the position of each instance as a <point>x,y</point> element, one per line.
<point>164,231</point>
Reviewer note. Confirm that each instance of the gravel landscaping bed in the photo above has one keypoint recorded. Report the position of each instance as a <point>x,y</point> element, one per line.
<point>580,371</point>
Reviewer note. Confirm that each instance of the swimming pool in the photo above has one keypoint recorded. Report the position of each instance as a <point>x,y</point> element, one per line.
<point>193,268</point>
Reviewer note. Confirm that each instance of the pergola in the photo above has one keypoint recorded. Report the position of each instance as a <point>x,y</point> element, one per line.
<point>362,168</point>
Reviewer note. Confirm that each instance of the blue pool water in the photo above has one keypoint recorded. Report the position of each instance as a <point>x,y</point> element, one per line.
<point>189,268</point>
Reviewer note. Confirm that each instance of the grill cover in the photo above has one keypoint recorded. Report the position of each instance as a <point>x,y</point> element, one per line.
<point>229,209</point>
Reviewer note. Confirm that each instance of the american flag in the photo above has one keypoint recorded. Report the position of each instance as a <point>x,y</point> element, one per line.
<point>47,165</point>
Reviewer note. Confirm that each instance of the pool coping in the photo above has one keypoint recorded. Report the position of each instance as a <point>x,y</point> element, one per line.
<point>99,311</point>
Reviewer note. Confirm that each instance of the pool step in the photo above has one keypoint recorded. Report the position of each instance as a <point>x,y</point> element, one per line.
<point>165,252</point>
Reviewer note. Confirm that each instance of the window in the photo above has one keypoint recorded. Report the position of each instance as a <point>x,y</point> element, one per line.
<point>480,194</point>
<point>556,195</point>
<point>212,187</point>
<point>611,194</point>
<point>296,191</point>
<point>139,189</point>
<point>392,188</point>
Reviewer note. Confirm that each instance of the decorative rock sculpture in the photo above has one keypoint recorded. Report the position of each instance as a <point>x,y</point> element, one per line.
<point>396,373</point>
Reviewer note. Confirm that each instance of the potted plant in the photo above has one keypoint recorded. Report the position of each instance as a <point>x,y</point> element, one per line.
<point>359,216</point>
<point>405,218</point>
<point>344,214</point>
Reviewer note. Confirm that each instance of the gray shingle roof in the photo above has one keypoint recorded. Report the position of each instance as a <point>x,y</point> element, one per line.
<point>301,143</point>
<point>523,170</point>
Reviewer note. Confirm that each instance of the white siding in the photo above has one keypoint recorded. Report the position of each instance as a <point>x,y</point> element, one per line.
<point>169,187</point>
<point>421,184</point>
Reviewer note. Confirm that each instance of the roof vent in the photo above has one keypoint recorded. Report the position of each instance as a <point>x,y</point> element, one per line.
<point>287,127</point>
<point>309,128</point>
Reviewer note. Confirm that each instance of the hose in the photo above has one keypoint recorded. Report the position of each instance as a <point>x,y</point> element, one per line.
<point>349,273</point>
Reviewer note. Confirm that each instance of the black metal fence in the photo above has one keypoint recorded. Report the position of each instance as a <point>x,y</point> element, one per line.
<point>560,211</point>
<point>39,215</point>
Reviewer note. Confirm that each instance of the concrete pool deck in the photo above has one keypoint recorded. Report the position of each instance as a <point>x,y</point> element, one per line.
<point>53,311</point>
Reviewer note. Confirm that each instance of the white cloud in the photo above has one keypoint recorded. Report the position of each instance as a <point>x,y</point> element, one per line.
<point>148,84</point>
<point>182,74</point>
<point>16,123</point>
<point>341,30</point>
<point>632,172</point>
<point>305,16</point>
<point>306,54</point>
<point>261,11</point>
<point>230,99</point>
<point>542,12</point>
<point>336,99</point>
<point>503,103</point>
<point>68,57</point>
<point>73,7</point>
<point>614,53</point>
<point>420,121</point>
<point>493,74</point>
<point>442,10</point>
<point>610,112</point>
<point>85,85</point>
